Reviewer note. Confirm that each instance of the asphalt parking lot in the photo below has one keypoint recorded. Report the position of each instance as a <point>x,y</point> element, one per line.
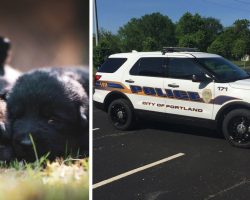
<point>163,161</point>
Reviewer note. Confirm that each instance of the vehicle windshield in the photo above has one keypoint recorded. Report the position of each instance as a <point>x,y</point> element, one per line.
<point>223,70</point>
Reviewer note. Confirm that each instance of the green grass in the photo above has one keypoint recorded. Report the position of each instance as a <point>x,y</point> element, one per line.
<point>34,147</point>
<point>63,179</point>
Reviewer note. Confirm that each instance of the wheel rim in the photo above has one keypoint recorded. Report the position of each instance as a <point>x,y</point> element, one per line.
<point>118,114</point>
<point>239,130</point>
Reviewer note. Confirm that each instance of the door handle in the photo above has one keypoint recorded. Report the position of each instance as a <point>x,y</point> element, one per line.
<point>173,85</point>
<point>129,81</point>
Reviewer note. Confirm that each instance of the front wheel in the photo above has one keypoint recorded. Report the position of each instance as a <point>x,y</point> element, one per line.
<point>121,114</point>
<point>236,128</point>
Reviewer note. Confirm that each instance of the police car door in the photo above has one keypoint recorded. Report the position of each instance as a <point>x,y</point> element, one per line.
<point>185,97</point>
<point>143,79</point>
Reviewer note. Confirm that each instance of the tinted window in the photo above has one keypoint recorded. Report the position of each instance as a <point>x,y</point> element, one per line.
<point>223,70</point>
<point>149,67</point>
<point>183,68</point>
<point>112,64</point>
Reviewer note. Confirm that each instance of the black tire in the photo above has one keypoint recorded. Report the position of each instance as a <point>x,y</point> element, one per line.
<point>121,114</point>
<point>236,128</point>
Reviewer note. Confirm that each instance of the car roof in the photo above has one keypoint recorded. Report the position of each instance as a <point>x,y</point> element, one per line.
<point>169,54</point>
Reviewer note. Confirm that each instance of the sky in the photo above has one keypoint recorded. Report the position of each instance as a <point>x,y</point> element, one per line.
<point>113,14</point>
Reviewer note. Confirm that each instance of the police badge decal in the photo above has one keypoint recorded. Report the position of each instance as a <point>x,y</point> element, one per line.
<point>206,95</point>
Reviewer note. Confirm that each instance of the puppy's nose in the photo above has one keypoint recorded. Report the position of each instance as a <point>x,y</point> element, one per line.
<point>25,141</point>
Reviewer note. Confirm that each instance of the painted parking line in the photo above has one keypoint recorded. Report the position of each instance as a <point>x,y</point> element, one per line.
<point>123,175</point>
<point>96,129</point>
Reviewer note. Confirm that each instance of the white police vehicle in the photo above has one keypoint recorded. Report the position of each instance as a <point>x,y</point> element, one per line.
<point>177,83</point>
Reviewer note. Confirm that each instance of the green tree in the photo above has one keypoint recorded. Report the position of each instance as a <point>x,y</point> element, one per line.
<point>187,41</point>
<point>223,44</point>
<point>108,44</point>
<point>150,32</point>
<point>234,41</point>
<point>148,44</point>
<point>239,49</point>
<point>188,24</point>
<point>218,47</point>
<point>197,31</point>
<point>241,26</point>
<point>154,31</point>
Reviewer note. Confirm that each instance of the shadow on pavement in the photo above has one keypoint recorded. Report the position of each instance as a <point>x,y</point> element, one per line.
<point>178,128</point>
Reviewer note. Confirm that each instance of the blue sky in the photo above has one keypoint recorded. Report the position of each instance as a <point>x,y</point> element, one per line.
<point>113,14</point>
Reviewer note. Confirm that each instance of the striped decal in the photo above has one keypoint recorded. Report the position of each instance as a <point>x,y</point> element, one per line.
<point>158,92</point>
<point>115,85</point>
<point>219,100</point>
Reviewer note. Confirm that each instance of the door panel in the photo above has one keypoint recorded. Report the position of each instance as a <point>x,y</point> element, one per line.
<point>185,96</point>
<point>143,93</point>
<point>189,98</point>
<point>145,81</point>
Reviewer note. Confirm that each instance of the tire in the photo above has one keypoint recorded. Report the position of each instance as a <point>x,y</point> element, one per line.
<point>236,128</point>
<point>121,114</point>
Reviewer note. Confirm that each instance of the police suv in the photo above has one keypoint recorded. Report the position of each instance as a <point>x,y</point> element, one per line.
<point>176,84</point>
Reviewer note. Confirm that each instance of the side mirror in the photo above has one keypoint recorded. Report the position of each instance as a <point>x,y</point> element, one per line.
<point>199,78</point>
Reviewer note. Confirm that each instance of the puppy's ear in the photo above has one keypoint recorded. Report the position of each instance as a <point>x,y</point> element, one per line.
<point>84,117</point>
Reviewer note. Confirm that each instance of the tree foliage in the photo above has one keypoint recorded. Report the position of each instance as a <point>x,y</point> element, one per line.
<point>235,41</point>
<point>150,32</point>
<point>197,31</point>
<point>153,31</point>
<point>109,44</point>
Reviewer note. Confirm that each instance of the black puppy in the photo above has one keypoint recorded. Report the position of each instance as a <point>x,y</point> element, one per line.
<point>51,106</point>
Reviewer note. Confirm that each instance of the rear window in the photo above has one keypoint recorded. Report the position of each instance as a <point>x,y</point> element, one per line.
<point>112,64</point>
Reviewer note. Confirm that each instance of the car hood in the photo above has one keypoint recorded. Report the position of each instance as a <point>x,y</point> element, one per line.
<point>241,84</point>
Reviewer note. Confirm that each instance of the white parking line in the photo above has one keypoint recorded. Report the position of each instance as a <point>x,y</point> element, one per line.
<point>123,175</point>
<point>96,129</point>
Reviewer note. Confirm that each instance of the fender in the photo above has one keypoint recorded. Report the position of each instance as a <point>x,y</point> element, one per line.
<point>114,95</point>
<point>230,106</point>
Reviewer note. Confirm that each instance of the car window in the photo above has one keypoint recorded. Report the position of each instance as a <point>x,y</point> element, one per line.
<point>183,68</point>
<point>149,67</point>
<point>223,70</point>
<point>112,64</point>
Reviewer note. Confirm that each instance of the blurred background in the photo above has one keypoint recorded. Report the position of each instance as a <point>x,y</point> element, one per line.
<point>47,32</point>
